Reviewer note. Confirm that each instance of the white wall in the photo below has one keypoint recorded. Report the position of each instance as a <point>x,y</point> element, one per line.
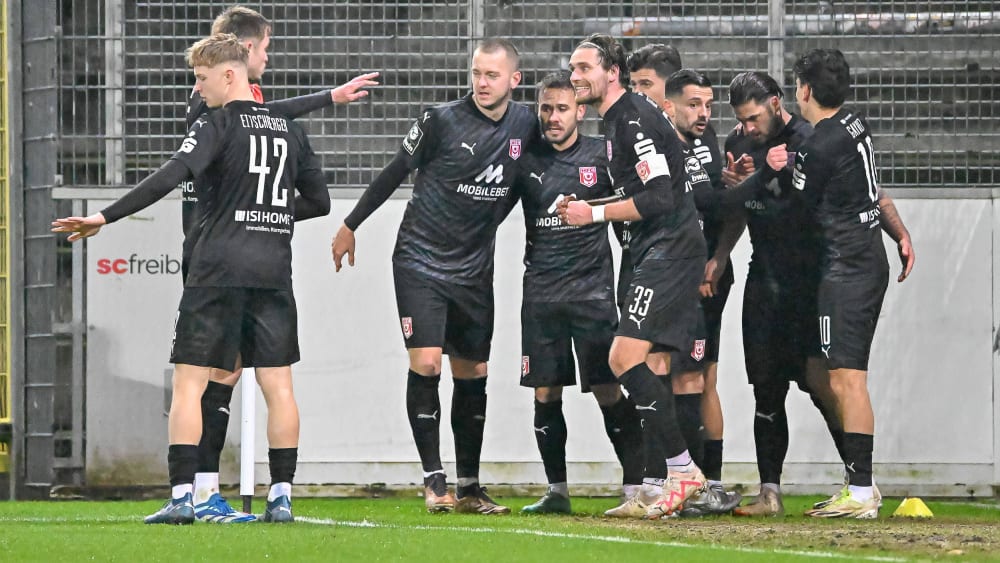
<point>932,370</point>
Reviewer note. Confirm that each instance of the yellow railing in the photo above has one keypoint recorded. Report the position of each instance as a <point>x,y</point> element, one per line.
<point>5,343</point>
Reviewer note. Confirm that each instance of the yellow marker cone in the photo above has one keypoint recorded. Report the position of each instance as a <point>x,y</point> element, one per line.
<point>913,508</point>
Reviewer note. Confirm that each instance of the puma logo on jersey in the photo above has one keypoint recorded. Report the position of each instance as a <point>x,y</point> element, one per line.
<point>826,351</point>
<point>649,407</point>
<point>850,466</point>
<point>635,122</point>
<point>433,416</point>
<point>472,149</point>
<point>637,321</point>
<point>767,417</point>
<point>542,430</point>
<point>427,115</point>
<point>538,177</point>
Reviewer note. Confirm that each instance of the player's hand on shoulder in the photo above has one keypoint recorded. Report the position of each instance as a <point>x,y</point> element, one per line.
<point>343,243</point>
<point>79,227</point>
<point>351,90</point>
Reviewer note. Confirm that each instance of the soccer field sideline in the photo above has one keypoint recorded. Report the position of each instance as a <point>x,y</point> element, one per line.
<point>392,529</point>
<point>603,538</point>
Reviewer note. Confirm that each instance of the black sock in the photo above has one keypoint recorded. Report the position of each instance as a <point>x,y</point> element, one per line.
<point>214,423</point>
<point>624,427</point>
<point>423,407</point>
<point>838,441</point>
<point>689,422</point>
<point>858,458</point>
<point>712,466</point>
<point>655,403</point>
<point>832,424</point>
<point>770,430</point>
<point>282,462</point>
<point>550,434</point>
<point>182,462</point>
<point>468,418</point>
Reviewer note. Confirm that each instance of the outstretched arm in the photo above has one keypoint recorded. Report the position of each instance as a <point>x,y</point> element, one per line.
<point>375,195</point>
<point>147,192</point>
<point>346,93</point>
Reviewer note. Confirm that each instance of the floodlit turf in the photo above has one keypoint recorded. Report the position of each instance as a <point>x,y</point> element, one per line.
<point>399,529</point>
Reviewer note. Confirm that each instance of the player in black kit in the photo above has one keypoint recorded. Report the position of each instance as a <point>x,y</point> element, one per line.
<point>780,293</point>
<point>463,152</point>
<point>835,173</point>
<point>779,333</point>
<point>254,31</point>
<point>688,102</point>
<point>569,301</point>
<point>237,300</point>
<point>646,163</point>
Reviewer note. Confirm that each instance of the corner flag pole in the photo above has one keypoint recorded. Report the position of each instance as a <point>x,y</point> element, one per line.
<point>248,391</point>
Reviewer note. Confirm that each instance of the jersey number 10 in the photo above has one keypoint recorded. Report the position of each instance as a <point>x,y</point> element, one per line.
<point>868,158</point>
<point>279,195</point>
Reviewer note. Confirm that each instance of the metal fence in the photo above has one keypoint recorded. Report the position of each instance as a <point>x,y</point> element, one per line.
<point>924,71</point>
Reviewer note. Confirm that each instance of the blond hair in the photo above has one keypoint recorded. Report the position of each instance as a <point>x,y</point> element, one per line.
<point>217,49</point>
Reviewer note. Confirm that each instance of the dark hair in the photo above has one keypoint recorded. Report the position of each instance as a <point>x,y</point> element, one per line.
<point>827,73</point>
<point>753,85</point>
<point>558,80</point>
<point>242,22</point>
<point>610,52</point>
<point>494,44</point>
<point>681,78</point>
<point>664,60</point>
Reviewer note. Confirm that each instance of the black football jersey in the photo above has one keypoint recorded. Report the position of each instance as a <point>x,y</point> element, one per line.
<point>463,188</point>
<point>644,153</point>
<point>189,188</point>
<point>706,149</point>
<point>786,241</point>
<point>563,262</point>
<point>835,172</point>
<point>250,160</point>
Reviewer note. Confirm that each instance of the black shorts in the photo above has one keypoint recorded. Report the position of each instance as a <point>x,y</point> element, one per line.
<point>550,332</point>
<point>437,314</point>
<point>693,356</point>
<point>848,313</point>
<point>661,305</point>
<point>624,278</point>
<point>215,325</point>
<point>713,308</point>
<point>779,330</point>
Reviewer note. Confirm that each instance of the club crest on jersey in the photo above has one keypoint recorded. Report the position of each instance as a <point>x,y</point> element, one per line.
<point>698,350</point>
<point>642,169</point>
<point>407,323</point>
<point>588,176</point>
<point>525,366</point>
<point>609,149</point>
<point>515,148</point>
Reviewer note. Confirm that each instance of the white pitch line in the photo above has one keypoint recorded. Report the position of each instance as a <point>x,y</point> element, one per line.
<point>972,504</point>
<point>609,539</point>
